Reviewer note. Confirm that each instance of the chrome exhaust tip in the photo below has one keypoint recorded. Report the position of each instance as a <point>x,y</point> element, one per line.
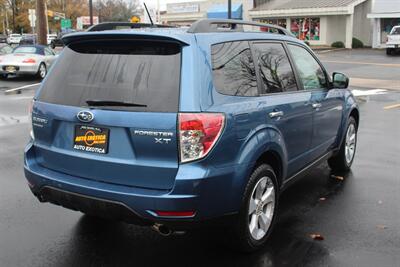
<point>161,229</point>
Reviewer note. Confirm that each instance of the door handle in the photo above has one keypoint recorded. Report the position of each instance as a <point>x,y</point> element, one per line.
<point>275,114</point>
<point>316,105</point>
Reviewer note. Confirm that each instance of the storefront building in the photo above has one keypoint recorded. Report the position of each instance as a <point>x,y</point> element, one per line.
<point>186,13</point>
<point>320,22</point>
<point>384,15</point>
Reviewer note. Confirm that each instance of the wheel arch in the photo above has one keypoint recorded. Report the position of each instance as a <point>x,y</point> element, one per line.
<point>272,158</point>
<point>356,115</point>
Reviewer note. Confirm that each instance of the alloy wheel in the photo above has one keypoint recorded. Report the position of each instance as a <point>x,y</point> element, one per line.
<point>261,208</point>
<point>350,143</point>
<point>42,71</point>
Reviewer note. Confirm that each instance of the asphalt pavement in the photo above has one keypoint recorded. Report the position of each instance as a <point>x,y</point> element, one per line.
<point>357,216</point>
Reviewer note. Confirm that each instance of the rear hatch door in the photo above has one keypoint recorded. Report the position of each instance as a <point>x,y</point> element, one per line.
<point>108,112</point>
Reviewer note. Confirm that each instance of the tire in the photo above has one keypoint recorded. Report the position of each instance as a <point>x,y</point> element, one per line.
<point>5,76</point>
<point>52,45</point>
<point>343,160</point>
<point>41,73</point>
<point>389,51</point>
<point>241,236</point>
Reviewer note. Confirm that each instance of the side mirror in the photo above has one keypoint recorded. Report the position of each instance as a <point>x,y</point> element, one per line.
<point>340,80</point>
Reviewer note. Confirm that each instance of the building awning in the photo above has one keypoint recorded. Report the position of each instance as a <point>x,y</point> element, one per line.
<point>221,11</point>
<point>383,15</point>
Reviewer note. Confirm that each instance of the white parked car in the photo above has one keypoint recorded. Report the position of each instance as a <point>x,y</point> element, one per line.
<point>14,38</point>
<point>51,37</point>
<point>393,41</point>
<point>27,60</point>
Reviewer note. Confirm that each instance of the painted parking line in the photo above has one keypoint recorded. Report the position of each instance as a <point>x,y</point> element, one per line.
<point>392,106</point>
<point>363,63</point>
<point>20,88</point>
<point>357,92</point>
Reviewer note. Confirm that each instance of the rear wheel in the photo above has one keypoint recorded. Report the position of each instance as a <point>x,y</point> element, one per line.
<point>257,214</point>
<point>389,51</point>
<point>344,159</point>
<point>42,71</point>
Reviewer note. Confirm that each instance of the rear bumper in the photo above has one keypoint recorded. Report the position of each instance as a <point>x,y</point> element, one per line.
<point>27,69</point>
<point>395,46</point>
<point>211,192</point>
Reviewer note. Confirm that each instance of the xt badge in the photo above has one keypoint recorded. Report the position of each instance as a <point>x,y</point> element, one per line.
<point>162,140</point>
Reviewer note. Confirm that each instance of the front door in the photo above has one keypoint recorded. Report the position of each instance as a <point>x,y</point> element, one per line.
<point>327,104</point>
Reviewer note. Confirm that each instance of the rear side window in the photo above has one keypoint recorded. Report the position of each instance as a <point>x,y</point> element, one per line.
<point>233,69</point>
<point>275,69</point>
<point>142,74</point>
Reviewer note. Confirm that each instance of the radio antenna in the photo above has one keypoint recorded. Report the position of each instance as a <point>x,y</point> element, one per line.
<point>148,14</point>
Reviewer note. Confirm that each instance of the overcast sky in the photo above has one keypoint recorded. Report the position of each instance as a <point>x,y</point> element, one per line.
<point>163,3</point>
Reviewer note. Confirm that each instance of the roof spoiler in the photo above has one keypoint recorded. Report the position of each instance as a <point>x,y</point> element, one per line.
<point>106,26</point>
<point>99,36</point>
<point>230,25</point>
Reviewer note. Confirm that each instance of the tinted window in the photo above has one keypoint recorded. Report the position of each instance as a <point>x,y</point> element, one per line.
<point>233,69</point>
<point>310,72</point>
<point>134,72</point>
<point>275,70</point>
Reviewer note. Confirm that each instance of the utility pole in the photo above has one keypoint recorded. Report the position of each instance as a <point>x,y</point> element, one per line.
<point>6,15</point>
<point>91,12</point>
<point>13,15</point>
<point>229,9</point>
<point>41,25</point>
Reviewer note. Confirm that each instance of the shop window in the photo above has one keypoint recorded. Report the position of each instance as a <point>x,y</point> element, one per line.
<point>386,26</point>
<point>306,28</point>
<point>279,22</point>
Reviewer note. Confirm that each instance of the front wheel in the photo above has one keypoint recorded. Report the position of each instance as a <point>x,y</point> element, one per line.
<point>344,159</point>
<point>42,71</point>
<point>389,51</point>
<point>257,214</point>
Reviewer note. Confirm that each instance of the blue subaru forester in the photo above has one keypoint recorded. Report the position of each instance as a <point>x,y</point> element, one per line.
<point>174,128</point>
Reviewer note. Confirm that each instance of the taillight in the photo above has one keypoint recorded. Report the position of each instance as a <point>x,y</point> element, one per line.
<point>29,60</point>
<point>198,133</point>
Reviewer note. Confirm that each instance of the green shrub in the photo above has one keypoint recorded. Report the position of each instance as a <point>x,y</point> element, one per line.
<point>338,44</point>
<point>357,43</point>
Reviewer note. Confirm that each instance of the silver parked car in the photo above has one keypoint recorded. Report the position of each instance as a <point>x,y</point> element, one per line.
<point>27,60</point>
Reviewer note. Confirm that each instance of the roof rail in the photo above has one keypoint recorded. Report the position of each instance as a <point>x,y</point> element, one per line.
<point>211,25</point>
<point>106,26</point>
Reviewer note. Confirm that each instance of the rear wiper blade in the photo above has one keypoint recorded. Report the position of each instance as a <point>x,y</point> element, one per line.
<point>113,103</point>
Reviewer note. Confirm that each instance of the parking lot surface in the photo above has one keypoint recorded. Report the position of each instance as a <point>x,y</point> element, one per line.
<point>357,214</point>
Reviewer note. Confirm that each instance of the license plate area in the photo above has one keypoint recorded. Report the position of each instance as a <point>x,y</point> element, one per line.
<point>91,139</point>
<point>11,69</point>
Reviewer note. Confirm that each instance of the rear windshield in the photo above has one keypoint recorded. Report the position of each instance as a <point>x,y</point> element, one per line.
<point>26,50</point>
<point>396,30</point>
<point>142,74</point>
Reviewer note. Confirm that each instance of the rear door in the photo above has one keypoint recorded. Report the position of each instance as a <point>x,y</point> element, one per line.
<point>284,106</point>
<point>108,112</point>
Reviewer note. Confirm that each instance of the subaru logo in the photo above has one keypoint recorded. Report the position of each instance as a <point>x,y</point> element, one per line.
<point>85,116</point>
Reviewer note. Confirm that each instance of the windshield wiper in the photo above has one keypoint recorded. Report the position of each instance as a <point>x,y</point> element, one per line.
<point>113,103</point>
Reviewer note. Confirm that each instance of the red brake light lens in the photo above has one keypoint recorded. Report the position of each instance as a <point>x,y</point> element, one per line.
<point>175,213</point>
<point>198,133</point>
<point>29,60</point>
